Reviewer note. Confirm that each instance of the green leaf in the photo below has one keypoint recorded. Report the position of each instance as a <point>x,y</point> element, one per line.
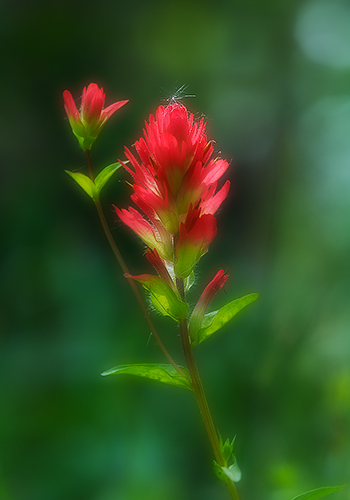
<point>84,182</point>
<point>318,493</point>
<point>227,448</point>
<point>215,320</point>
<point>189,281</point>
<point>163,373</point>
<point>228,474</point>
<point>105,175</point>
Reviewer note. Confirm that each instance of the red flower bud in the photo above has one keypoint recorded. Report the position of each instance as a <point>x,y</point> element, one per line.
<point>87,124</point>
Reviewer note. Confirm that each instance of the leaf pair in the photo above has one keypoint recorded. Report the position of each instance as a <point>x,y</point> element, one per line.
<point>93,189</point>
<point>166,302</point>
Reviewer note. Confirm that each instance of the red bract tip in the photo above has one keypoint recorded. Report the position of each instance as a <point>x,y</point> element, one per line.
<point>199,311</point>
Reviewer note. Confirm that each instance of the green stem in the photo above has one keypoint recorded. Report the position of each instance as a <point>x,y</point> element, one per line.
<point>126,271</point>
<point>200,394</point>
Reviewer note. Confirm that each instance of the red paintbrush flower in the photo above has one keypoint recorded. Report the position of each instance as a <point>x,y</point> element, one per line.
<point>87,123</point>
<point>174,169</point>
<point>175,181</point>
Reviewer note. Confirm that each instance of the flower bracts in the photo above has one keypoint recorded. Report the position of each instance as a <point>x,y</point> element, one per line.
<point>175,188</point>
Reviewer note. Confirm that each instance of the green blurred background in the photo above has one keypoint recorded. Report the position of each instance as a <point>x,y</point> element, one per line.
<point>272,79</point>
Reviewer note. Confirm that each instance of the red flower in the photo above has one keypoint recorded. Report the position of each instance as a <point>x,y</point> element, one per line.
<point>195,236</point>
<point>87,124</point>
<point>175,185</point>
<point>174,169</point>
<point>148,233</point>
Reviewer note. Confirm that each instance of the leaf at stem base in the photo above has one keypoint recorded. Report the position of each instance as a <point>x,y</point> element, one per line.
<point>161,372</point>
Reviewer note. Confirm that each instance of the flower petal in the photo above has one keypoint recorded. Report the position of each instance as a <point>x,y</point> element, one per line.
<point>70,107</point>
<point>107,112</point>
<point>210,203</point>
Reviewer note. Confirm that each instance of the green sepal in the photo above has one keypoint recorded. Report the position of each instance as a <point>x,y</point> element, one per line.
<point>217,319</point>
<point>164,299</point>
<point>84,182</point>
<point>85,142</point>
<point>105,175</point>
<point>163,373</point>
<point>318,493</point>
<point>79,131</point>
<point>230,474</point>
<point>187,257</point>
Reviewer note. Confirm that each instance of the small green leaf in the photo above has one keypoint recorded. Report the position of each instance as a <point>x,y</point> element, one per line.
<point>227,449</point>
<point>163,373</point>
<point>105,175</point>
<point>235,472</point>
<point>189,281</point>
<point>228,474</point>
<point>318,493</point>
<point>215,320</point>
<point>84,182</point>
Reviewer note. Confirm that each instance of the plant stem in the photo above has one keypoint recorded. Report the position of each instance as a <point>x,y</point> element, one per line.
<point>200,394</point>
<point>126,271</point>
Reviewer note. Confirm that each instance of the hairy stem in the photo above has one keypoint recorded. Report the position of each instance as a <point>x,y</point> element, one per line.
<point>126,271</point>
<point>200,394</point>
